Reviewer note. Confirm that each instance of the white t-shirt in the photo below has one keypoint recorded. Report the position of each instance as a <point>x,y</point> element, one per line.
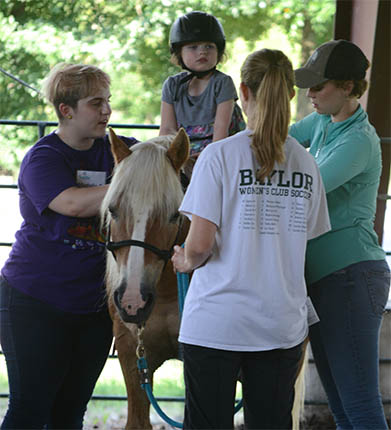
<point>251,294</point>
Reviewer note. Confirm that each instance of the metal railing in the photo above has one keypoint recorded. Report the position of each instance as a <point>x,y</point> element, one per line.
<point>41,125</point>
<point>175,399</point>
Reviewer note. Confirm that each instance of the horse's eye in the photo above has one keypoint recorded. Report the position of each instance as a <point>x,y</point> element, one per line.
<point>113,212</point>
<point>174,217</point>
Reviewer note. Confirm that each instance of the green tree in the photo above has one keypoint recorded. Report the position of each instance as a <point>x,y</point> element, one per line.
<point>309,24</point>
<point>128,39</point>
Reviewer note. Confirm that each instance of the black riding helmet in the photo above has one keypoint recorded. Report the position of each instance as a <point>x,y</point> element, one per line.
<point>197,27</point>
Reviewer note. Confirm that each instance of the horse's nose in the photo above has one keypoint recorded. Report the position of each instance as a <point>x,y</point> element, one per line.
<point>134,304</point>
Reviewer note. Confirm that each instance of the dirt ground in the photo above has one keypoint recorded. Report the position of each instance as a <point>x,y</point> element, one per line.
<point>313,422</point>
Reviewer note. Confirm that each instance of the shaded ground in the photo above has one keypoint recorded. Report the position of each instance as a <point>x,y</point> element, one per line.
<point>313,422</point>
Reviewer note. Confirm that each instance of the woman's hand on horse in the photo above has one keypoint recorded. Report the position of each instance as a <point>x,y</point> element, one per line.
<point>199,245</point>
<point>179,261</point>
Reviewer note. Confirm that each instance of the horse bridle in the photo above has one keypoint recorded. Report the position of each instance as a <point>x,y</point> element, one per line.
<point>163,254</point>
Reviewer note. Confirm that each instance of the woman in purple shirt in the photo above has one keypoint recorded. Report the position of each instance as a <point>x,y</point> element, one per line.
<point>54,325</point>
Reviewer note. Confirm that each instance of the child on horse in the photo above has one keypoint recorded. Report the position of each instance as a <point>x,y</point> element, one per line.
<point>200,99</point>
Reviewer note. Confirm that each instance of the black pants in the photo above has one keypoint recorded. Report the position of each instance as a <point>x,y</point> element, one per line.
<point>268,379</point>
<point>53,360</point>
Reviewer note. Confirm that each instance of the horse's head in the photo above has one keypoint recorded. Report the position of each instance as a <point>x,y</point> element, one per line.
<point>140,212</point>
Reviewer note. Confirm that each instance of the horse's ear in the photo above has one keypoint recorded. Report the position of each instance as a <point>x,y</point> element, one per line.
<point>179,150</point>
<point>119,148</point>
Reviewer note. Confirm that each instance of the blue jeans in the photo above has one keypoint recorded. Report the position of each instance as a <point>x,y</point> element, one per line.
<point>53,360</point>
<point>268,379</point>
<point>345,343</point>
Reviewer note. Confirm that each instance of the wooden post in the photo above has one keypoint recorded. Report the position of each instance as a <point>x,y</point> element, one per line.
<point>367,23</point>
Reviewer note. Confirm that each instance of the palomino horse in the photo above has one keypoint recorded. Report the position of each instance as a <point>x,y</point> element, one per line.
<point>141,206</point>
<point>141,216</point>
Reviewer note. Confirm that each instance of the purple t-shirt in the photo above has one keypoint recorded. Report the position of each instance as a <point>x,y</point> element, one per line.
<point>56,258</point>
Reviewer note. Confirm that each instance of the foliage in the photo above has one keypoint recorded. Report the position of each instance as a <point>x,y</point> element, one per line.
<point>128,39</point>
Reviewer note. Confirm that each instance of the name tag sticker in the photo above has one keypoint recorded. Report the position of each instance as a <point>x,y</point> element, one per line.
<point>89,178</point>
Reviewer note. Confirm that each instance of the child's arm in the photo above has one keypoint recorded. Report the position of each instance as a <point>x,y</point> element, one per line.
<point>168,123</point>
<point>223,119</point>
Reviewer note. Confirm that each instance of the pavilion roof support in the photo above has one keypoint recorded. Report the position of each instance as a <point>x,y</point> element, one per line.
<point>367,23</point>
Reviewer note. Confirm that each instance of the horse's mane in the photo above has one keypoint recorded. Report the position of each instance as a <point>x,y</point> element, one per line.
<point>145,181</point>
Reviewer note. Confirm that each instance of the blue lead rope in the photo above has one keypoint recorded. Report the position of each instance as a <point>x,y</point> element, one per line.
<point>183,286</point>
<point>145,385</point>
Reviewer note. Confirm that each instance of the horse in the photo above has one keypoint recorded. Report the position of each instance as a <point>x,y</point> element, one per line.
<point>141,205</point>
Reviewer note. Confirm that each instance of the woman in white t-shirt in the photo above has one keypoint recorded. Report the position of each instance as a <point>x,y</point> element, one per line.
<point>254,200</point>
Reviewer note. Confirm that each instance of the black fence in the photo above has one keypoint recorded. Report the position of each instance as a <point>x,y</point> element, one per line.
<point>42,125</point>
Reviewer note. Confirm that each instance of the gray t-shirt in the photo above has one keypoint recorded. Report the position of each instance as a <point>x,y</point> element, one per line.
<point>198,110</point>
<point>196,114</point>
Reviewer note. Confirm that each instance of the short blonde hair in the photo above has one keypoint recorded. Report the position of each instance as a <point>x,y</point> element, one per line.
<point>68,83</point>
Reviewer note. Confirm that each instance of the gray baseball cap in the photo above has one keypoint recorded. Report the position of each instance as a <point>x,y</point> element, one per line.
<point>337,59</point>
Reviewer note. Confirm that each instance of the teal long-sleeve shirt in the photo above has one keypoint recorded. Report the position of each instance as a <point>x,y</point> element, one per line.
<point>348,154</point>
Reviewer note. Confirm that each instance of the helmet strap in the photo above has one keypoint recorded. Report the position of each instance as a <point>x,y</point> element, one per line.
<point>195,73</point>
<point>190,76</point>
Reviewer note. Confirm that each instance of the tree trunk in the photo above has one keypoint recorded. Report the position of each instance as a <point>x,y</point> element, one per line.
<point>307,47</point>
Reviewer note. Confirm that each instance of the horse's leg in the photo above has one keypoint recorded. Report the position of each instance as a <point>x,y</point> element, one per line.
<point>298,404</point>
<point>160,343</point>
<point>138,404</point>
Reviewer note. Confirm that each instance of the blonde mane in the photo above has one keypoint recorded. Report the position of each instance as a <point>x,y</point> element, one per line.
<point>144,181</point>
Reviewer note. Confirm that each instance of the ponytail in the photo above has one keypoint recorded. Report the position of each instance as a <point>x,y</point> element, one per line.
<point>269,76</point>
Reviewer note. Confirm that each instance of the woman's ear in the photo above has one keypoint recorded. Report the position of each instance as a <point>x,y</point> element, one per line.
<point>65,110</point>
<point>348,87</point>
<point>244,93</point>
<point>244,90</point>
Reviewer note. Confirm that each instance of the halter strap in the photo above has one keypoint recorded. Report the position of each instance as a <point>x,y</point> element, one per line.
<point>164,254</point>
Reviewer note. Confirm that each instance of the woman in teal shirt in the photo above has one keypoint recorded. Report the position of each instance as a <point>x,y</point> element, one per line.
<point>347,276</point>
